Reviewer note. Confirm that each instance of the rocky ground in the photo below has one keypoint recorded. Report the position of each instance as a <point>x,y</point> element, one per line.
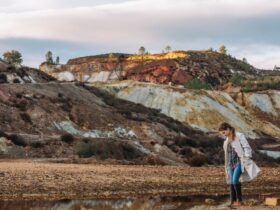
<point>42,180</point>
<point>50,127</point>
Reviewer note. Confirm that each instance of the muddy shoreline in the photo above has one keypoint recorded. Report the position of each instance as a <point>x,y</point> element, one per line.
<point>34,180</point>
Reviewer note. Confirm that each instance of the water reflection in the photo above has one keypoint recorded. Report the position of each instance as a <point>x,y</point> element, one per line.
<point>155,203</point>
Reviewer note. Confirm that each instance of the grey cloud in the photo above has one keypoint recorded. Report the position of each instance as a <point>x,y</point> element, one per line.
<point>124,27</point>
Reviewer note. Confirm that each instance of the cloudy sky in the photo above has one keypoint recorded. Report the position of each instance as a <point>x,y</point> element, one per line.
<point>72,28</point>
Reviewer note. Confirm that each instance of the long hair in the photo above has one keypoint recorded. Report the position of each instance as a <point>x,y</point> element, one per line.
<point>226,126</point>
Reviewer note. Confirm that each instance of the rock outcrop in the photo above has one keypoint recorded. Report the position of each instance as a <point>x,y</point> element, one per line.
<point>174,67</point>
<point>250,113</point>
<point>12,74</point>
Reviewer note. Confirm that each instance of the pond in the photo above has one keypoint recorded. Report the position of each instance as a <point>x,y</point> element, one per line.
<point>157,203</point>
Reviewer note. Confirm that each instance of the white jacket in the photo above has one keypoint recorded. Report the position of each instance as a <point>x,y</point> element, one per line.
<point>248,167</point>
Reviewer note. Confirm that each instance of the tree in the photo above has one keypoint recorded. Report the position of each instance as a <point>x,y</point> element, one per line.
<point>13,57</point>
<point>167,48</point>
<point>244,60</point>
<point>223,49</point>
<point>49,58</point>
<point>142,50</point>
<point>111,55</point>
<point>57,60</point>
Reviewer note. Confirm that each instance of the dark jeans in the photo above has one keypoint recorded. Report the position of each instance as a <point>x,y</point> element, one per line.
<point>235,185</point>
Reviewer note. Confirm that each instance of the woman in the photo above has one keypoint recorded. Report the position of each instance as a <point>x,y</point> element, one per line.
<point>238,162</point>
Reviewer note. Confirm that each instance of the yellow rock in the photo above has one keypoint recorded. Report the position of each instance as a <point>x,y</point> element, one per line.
<point>272,201</point>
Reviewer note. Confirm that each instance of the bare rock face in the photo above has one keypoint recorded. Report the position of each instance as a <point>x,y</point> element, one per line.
<point>175,67</point>
<point>247,112</point>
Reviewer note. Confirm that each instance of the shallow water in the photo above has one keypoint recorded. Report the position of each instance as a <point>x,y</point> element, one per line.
<point>274,154</point>
<point>156,203</point>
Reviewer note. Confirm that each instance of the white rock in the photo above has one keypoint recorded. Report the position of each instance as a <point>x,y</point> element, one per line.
<point>66,76</point>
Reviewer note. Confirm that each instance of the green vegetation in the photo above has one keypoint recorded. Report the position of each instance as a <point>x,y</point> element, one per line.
<point>244,60</point>
<point>167,48</point>
<point>236,79</point>
<point>17,140</point>
<point>198,84</point>
<point>50,60</point>
<point>244,66</point>
<point>259,86</point>
<point>67,138</point>
<point>223,49</point>
<point>57,60</point>
<point>13,57</point>
<point>141,50</point>
<point>107,149</point>
<point>198,160</point>
<point>86,150</point>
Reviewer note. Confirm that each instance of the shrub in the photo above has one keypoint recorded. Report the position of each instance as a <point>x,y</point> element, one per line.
<point>223,50</point>
<point>129,153</point>
<point>3,78</point>
<point>21,105</point>
<point>3,134</point>
<point>17,140</point>
<point>186,152</point>
<point>13,57</point>
<point>19,95</point>
<point>86,150</point>
<point>60,95</point>
<point>198,161</point>
<point>67,138</point>
<point>198,84</point>
<point>236,79</point>
<point>185,142</point>
<point>210,142</point>
<point>26,117</point>
<point>37,144</point>
<point>105,149</point>
<point>16,80</point>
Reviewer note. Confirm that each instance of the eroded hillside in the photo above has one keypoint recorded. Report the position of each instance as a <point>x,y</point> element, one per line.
<point>35,117</point>
<point>250,113</point>
<point>125,121</point>
<point>174,67</point>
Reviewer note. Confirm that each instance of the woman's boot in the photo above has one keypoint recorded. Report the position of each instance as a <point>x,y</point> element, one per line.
<point>238,201</point>
<point>238,192</point>
<point>232,194</point>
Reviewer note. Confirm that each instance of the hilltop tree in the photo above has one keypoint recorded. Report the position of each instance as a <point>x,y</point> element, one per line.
<point>223,49</point>
<point>57,60</point>
<point>49,58</point>
<point>167,48</point>
<point>13,57</point>
<point>111,55</point>
<point>244,60</point>
<point>142,50</point>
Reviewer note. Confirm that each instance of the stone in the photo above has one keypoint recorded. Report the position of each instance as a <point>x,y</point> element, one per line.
<point>272,201</point>
<point>210,201</point>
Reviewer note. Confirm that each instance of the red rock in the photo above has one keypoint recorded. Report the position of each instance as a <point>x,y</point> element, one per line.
<point>181,77</point>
